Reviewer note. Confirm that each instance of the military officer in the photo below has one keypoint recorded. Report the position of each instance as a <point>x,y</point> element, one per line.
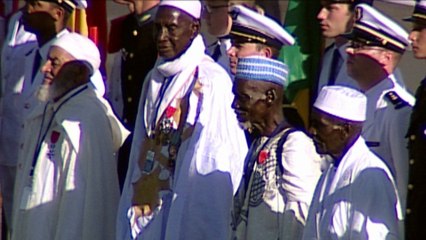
<point>137,56</point>
<point>416,212</point>
<point>253,34</point>
<point>376,47</point>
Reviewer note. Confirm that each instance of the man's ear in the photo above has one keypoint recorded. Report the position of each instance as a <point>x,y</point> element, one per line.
<point>346,129</point>
<point>195,28</point>
<point>271,96</point>
<point>58,13</point>
<point>267,51</point>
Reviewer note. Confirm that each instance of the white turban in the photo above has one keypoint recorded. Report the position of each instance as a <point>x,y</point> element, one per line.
<point>80,47</point>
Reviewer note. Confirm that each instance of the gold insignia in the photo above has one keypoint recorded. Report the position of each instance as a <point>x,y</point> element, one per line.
<point>146,17</point>
<point>358,13</point>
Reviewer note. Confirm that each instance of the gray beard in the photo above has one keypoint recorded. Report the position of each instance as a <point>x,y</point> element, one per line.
<point>44,93</point>
<point>47,92</point>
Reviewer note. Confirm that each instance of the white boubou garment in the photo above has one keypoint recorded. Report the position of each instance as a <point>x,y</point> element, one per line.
<point>72,191</point>
<point>355,200</point>
<point>209,165</point>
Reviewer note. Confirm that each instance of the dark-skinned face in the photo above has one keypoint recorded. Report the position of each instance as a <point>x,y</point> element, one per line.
<point>326,133</point>
<point>249,103</point>
<point>173,32</point>
<point>37,16</point>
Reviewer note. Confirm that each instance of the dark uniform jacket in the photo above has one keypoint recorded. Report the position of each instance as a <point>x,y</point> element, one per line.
<point>416,199</point>
<point>138,56</point>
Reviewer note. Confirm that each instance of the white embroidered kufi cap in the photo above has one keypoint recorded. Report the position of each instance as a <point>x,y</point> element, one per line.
<point>191,7</point>
<point>80,47</point>
<point>342,102</point>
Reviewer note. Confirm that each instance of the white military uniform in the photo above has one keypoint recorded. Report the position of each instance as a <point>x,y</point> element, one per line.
<point>18,44</point>
<point>342,77</point>
<point>356,200</point>
<point>223,46</point>
<point>210,163</point>
<point>73,192</point>
<point>385,128</point>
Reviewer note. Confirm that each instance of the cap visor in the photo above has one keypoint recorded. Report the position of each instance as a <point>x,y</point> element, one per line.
<point>408,19</point>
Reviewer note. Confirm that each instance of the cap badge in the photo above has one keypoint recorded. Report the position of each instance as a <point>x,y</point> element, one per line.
<point>358,14</point>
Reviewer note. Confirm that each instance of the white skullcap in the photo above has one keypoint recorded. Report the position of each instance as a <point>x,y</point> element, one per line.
<point>191,7</point>
<point>80,47</point>
<point>342,102</point>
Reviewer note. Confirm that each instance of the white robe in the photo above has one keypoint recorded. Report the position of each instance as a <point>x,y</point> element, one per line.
<point>209,164</point>
<point>358,200</point>
<point>75,192</point>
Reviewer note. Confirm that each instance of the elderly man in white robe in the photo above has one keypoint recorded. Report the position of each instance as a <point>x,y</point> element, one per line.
<point>67,184</point>
<point>356,198</point>
<point>188,149</point>
<point>282,167</point>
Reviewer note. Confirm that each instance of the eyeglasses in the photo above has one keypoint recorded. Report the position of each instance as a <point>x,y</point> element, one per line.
<point>210,9</point>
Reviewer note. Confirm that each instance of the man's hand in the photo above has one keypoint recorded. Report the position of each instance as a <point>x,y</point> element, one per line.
<point>146,189</point>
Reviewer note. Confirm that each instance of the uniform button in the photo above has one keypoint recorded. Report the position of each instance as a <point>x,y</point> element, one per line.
<point>21,146</point>
<point>27,105</point>
<point>131,55</point>
<point>413,137</point>
<point>410,186</point>
<point>129,99</point>
<point>129,77</point>
<point>408,211</point>
<point>411,161</point>
<point>22,126</point>
<point>135,33</point>
<point>20,165</point>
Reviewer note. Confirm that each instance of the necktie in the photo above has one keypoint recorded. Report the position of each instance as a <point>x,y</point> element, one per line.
<point>216,53</point>
<point>36,65</point>
<point>336,64</point>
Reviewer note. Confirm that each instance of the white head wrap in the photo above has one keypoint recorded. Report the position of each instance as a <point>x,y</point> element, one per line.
<point>342,102</point>
<point>80,47</point>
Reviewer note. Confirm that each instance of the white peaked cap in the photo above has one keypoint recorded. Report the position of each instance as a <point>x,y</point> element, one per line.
<point>81,4</point>
<point>80,47</point>
<point>191,7</point>
<point>253,26</point>
<point>375,28</point>
<point>342,102</point>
